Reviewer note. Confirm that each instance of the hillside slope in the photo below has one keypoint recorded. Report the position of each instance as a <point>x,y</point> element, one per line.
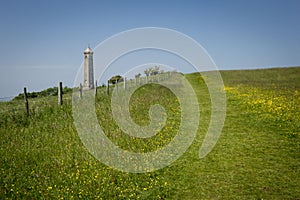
<point>256,157</point>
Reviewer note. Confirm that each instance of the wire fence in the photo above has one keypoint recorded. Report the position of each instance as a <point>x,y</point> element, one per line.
<point>11,105</point>
<point>14,105</point>
<point>35,104</point>
<point>125,83</point>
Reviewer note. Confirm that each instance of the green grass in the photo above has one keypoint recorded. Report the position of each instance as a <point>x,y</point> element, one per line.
<point>256,157</point>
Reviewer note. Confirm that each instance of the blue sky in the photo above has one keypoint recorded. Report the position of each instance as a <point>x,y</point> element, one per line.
<point>42,42</point>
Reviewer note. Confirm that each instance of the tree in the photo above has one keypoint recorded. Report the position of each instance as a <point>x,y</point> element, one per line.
<point>154,70</point>
<point>115,79</point>
<point>147,72</point>
<point>138,75</point>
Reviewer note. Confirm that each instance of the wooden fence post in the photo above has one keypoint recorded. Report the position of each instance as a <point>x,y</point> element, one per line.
<point>125,83</point>
<point>80,91</point>
<point>96,88</point>
<point>107,89</point>
<point>60,100</point>
<point>117,87</point>
<point>26,102</point>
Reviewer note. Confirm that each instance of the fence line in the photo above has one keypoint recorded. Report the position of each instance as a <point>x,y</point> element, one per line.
<point>32,104</point>
<point>135,82</point>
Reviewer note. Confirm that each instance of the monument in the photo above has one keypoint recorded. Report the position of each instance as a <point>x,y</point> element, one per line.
<point>88,82</point>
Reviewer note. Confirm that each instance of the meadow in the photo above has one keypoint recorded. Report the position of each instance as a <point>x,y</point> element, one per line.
<point>256,157</point>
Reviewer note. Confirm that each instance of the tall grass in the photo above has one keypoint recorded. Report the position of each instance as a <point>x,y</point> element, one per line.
<point>256,157</point>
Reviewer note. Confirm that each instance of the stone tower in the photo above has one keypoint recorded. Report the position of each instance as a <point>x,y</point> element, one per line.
<point>88,69</point>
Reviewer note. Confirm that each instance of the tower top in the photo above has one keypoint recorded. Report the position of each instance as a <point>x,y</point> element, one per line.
<point>88,50</point>
<point>88,69</point>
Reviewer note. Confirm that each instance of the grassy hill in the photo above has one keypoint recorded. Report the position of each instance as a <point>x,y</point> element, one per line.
<point>256,157</point>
